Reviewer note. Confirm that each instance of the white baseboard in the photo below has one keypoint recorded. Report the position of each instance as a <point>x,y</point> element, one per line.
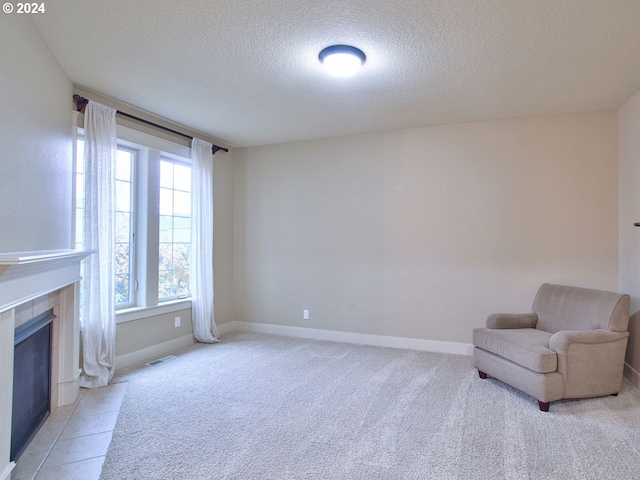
<point>227,327</point>
<point>632,374</point>
<point>349,337</point>
<point>154,351</point>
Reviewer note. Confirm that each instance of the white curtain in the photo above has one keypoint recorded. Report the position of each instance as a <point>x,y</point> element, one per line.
<point>201,273</point>
<point>98,323</point>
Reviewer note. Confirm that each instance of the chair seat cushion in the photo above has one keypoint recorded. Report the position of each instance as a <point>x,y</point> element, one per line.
<point>528,347</point>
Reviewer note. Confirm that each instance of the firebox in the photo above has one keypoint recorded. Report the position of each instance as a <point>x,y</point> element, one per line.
<point>31,380</point>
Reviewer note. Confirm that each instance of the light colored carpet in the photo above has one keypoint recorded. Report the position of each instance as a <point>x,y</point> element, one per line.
<point>267,407</point>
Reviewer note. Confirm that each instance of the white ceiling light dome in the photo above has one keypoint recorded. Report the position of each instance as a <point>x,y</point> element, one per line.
<point>342,60</point>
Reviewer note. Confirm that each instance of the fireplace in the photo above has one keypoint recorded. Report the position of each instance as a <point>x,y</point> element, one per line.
<point>31,380</point>
<point>32,283</point>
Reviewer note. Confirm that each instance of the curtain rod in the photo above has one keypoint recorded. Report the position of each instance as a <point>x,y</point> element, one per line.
<point>81,102</point>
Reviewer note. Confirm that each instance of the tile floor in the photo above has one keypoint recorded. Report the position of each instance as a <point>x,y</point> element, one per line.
<point>73,442</point>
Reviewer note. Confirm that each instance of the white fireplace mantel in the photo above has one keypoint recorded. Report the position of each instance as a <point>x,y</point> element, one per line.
<point>26,276</point>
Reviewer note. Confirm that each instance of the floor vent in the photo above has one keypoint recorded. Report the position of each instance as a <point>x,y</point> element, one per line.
<point>161,360</point>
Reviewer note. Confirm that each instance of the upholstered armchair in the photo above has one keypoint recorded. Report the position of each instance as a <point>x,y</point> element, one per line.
<point>571,345</point>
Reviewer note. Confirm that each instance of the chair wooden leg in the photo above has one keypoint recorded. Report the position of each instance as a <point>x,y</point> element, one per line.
<point>544,406</point>
<point>482,374</point>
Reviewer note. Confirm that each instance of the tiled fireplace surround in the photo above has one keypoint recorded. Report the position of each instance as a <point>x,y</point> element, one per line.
<point>31,283</point>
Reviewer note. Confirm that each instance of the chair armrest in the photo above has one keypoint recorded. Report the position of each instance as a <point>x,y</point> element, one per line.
<point>560,341</point>
<point>512,320</point>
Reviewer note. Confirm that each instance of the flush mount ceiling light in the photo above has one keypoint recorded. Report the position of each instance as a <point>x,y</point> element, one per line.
<point>342,60</point>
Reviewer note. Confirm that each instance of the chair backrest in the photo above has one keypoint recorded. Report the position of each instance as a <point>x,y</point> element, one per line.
<point>561,307</point>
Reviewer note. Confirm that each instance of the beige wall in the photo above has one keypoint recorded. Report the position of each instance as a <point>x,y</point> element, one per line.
<point>35,134</point>
<point>223,235</point>
<point>421,233</point>
<point>148,332</point>
<point>629,236</point>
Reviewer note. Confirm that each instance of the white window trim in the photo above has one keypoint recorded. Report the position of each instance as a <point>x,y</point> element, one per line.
<point>135,137</point>
<point>138,313</point>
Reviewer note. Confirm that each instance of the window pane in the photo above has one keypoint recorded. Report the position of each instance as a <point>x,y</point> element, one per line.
<point>79,193</point>
<point>166,229</point>
<point>123,165</point>
<point>181,229</point>
<point>182,177</point>
<point>166,201</point>
<point>122,289</point>
<point>181,281</point>
<point>79,228</point>
<point>123,227</point>
<point>182,204</point>
<point>166,174</point>
<point>122,258</point>
<point>165,288</point>
<point>80,190</point>
<point>123,196</point>
<point>165,256</point>
<point>181,253</point>
<point>80,156</point>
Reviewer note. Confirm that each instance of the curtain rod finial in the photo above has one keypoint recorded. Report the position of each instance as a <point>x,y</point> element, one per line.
<point>215,148</point>
<point>81,102</point>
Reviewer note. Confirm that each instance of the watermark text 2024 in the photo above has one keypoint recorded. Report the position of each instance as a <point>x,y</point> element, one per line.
<point>23,8</point>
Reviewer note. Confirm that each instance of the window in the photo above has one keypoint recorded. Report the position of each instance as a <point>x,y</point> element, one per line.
<point>175,229</point>
<point>152,223</point>
<point>79,188</point>
<point>124,261</point>
<point>124,227</point>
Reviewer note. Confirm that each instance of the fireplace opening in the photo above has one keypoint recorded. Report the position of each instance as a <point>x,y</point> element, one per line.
<point>31,380</point>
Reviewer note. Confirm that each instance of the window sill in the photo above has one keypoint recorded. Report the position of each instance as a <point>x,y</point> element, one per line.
<point>137,313</point>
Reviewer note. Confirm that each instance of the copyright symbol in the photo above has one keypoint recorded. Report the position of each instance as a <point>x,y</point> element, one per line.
<point>7,8</point>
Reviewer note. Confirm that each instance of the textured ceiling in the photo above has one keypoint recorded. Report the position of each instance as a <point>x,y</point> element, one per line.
<point>247,72</point>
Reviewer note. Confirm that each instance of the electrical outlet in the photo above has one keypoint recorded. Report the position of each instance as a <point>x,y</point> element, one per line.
<point>305,314</point>
<point>177,322</point>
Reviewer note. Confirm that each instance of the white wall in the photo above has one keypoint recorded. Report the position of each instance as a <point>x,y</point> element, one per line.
<point>422,233</point>
<point>35,134</point>
<point>629,236</point>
